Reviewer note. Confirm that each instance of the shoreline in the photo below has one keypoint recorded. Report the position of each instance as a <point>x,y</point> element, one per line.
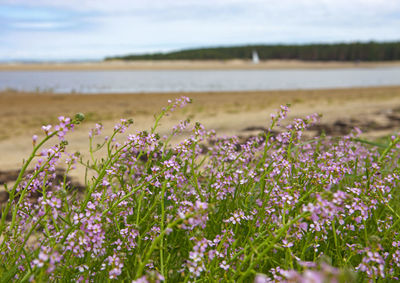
<point>192,65</point>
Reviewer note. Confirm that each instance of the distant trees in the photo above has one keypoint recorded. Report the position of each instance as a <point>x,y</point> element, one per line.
<point>357,51</point>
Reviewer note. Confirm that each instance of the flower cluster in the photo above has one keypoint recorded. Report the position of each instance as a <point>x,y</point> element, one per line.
<point>271,208</point>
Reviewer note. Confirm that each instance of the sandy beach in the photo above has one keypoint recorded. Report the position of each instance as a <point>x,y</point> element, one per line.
<point>191,65</point>
<point>23,113</point>
<point>244,113</point>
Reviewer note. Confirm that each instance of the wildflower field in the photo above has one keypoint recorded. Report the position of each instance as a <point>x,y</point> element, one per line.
<point>274,208</point>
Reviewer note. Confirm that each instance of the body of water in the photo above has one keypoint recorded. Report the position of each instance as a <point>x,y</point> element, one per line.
<point>195,80</point>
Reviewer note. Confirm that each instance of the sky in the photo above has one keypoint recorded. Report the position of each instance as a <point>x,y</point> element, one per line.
<point>93,29</point>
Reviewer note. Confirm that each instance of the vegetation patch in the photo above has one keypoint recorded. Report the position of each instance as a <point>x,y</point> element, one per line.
<point>273,208</point>
<point>355,51</point>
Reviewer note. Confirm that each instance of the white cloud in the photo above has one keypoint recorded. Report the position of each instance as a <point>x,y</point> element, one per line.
<point>93,29</point>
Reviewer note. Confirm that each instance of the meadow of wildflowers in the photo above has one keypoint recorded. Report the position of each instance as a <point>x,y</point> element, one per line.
<point>275,208</point>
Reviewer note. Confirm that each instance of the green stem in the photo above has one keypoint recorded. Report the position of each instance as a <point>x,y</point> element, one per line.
<point>265,247</point>
<point>387,149</point>
<point>162,228</point>
<point>154,244</point>
<point>336,242</point>
<point>19,179</point>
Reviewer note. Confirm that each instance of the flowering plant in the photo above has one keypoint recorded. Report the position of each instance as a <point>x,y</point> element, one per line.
<point>275,207</point>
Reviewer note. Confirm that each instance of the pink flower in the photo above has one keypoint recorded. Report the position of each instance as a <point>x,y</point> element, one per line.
<point>224,265</point>
<point>261,278</point>
<point>34,139</point>
<point>46,129</point>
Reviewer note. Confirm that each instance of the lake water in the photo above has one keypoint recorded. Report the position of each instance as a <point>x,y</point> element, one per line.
<point>195,80</point>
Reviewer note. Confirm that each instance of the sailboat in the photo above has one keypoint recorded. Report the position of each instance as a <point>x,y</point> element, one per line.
<point>256,59</point>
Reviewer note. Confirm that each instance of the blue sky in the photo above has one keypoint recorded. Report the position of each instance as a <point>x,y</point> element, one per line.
<point>93,29</point>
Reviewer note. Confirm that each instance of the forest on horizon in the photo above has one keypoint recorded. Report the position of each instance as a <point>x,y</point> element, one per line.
<point>357,51</point>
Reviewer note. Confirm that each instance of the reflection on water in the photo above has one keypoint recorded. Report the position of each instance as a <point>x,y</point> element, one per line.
<point>195,80</point>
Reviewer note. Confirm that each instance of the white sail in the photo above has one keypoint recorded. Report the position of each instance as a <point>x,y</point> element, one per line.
<point>256,60</point>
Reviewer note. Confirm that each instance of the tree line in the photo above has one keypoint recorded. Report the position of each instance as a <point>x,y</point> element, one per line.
<point>357,51</point>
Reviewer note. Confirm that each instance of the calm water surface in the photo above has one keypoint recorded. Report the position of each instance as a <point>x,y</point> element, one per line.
<point>196,80</point>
